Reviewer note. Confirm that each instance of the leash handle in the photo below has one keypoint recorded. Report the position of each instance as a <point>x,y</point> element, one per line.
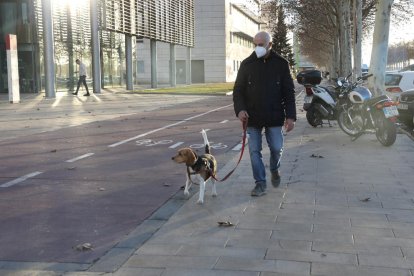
<point>241,154</point>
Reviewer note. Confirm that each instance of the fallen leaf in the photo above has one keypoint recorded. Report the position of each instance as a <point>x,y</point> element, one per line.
<point>102,189</point>
<point>166,185</point>
<point>316,156</point>
<point>323,255</point>
<point>225,223</point>
<point>55,150</point>
<point>365,199</point>
<point>83,247</point>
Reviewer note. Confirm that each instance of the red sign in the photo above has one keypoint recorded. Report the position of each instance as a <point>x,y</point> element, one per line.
<point>11,42</point>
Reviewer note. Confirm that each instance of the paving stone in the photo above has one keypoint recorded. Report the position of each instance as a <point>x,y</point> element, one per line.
<point>372,249</point>
<point>350,270</point>
<point>200,272</point>
<point>253,253</point>
<point>377,232</point>
<point>385,261</point>
<point>152,261</point>
<point>141,234</point>
<point>383,241</point>
<point>158,249</point>
<point>226,263</point>
<point>112,260</point>
<point>136,271</point>
<point>315,220</point>
<point>301,256</point>
<point>320,236</point>
<point>258,242</point>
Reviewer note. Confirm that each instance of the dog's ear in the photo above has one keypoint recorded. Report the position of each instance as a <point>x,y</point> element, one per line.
<point>190,156</point>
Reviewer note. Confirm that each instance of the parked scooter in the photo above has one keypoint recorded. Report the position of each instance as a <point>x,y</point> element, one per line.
<point>360,113</point>
<point>319,101</point>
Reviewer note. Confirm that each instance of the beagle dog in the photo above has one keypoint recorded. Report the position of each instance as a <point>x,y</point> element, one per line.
<point>203,166</point>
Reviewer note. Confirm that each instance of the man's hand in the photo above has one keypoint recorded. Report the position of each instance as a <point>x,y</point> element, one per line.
<point>243,116</point>
<point>289,124</point>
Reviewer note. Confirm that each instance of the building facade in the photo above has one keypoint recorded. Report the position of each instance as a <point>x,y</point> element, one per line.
<point>224,31</point>
<point>121,26</point>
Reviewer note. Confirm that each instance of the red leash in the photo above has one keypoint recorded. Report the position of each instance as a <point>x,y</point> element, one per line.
<point>241,154</point>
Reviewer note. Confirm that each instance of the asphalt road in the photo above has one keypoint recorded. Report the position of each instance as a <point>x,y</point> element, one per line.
<point>97,181</point>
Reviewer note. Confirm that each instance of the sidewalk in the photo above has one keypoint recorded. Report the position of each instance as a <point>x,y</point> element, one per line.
<point>343,208</point>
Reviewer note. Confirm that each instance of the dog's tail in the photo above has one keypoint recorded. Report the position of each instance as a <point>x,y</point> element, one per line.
<point>206,143</point>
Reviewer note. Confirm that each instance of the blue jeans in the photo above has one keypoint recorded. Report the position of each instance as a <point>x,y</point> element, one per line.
<point>274,138</point>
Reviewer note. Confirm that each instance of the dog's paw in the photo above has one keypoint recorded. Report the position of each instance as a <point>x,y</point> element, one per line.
<point>200,201</point>
<point>187,193</point>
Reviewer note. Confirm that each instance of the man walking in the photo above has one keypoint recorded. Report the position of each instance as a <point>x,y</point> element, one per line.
<point>82,78</point>
<point>264,96</point>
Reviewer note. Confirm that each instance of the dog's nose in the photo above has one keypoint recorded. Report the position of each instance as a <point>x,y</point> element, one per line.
<point>172,158</point>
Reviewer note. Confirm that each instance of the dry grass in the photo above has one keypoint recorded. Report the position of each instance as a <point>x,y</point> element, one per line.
<point>204,88</point>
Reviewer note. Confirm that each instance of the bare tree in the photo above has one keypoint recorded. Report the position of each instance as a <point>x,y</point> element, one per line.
<point>380,46</point>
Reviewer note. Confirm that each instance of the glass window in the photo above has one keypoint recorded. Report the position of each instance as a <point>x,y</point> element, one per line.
<point>392,79</point>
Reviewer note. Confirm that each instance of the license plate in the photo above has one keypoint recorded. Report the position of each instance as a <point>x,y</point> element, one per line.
<point>308,99</point>
<point>403,106</point>
<point>390,111</point>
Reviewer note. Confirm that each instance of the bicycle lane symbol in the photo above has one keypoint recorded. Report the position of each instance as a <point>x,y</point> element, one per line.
<point>151,143</point>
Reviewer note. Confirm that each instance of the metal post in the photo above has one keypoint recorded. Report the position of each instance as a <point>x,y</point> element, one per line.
<point>153,46</point>
<point>49,52</point>
<point>173,66</point>
<point>96,62</point>
<point>128,53</point>
<point>188,67</point>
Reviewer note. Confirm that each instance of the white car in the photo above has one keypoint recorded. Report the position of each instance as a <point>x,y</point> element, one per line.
<point>395,83</point>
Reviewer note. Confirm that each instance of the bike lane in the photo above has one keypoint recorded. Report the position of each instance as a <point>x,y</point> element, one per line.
<point>90,192</point>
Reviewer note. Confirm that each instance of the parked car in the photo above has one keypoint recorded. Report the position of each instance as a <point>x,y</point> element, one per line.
<point>408,68</point>
<point>395,83</point>
<point>406,108</point>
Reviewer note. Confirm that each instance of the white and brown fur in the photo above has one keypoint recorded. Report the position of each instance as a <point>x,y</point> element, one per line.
<point>203,166</point>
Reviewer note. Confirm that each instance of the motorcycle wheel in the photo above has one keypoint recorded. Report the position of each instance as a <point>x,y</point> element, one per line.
<point>386,131</point>
<point>346,125</point>
<point>313,117</point>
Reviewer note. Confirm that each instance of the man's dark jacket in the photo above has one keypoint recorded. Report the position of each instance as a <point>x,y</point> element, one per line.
<point>264,88</point>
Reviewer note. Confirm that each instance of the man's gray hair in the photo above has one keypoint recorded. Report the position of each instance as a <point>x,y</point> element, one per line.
<point>264,35</point>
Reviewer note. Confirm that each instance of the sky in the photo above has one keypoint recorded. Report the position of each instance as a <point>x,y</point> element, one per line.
<point>398,33</point>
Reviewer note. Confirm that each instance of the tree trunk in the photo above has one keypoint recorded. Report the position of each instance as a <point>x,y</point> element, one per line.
<point>379,52</point>
<point>345,37</point>
<point>357,7</point>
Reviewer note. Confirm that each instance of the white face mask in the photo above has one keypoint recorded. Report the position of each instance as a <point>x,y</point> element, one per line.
<point>260,51</point>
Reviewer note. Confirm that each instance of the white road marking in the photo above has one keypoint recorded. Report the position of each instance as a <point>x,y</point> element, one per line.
<point>297,96</point>
<point>176,145</point>
<point>20,179</point>
<point>165,127</point>
<point>223,122</point>
<point>80,157</point>
<point>238,147</point>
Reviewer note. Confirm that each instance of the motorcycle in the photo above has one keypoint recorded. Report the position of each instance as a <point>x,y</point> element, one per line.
<point>360,113</point>
<point>319,101</point>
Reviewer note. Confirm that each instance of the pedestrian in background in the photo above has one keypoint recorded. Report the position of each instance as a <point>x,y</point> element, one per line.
<point>82,78</point>
<point>264,95</point>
